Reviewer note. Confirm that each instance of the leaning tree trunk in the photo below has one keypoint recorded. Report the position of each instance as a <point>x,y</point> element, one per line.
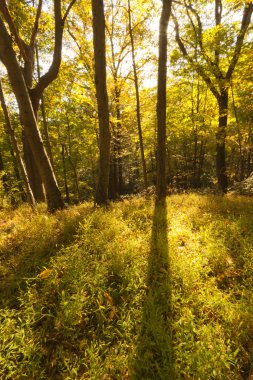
<point>10,132</point>
<point>161,100</point>
<point>20,90</point>
<point>221,169</point>
<point>101,196</point>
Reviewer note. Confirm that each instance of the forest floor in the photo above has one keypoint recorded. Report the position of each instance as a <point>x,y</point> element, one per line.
<point>135,291</point>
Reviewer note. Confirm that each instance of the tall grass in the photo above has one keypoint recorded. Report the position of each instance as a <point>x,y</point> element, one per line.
<point>134,291</point>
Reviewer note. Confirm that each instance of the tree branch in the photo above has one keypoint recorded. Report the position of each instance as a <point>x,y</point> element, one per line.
<point>68,10</point>
<point>53,71</point>
<point>247,12</point>
<point>200,70</point>
<point>6,14</point>
<point>36,24</point>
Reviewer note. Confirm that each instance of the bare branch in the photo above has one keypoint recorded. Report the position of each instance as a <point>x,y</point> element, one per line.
<point>68,10</point>
<point>52,73</point>
<point>36,24</point>
<point>247,12</point>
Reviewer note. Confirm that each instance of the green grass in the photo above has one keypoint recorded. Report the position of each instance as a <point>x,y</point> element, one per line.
<point>134,291</point>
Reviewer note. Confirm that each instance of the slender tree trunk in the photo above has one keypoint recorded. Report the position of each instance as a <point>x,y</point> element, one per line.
<point>113,176</point>
<point>161,100</point>
<point>15,165</point>
<point>65,172</point>
<point>201,161</point>
<point>20,90</point>
<point>249,163</point>
<point>4,176</point>
<point>43,113</point>
<point>115,173</point>
<point>102,100</point>
<point>220,142</point>
<point>241,153</point>
<point>137,94</point>
<point>72,164</point>
<point>249,152</point>
<point>10,132</point>
<point>118,143</point>
<point>195,183</point>
<point>195,156</point>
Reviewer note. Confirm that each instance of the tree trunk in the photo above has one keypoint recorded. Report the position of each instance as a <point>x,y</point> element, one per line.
<point>195,161</point>
<point>20,90</point>
<point>113,177</point>
<point>32,171</point>
<point>201,161</point>
<point>161,100</point>
<point>65,172</point>
<point>43,113</point>
<point>220,142</point>
<point>72,163</point>
<point>10,132</point>
<point>118,143</point>
<point>15,165</point>
<point>4,177</point>
<point>101,196</point>
<point>137,94</point>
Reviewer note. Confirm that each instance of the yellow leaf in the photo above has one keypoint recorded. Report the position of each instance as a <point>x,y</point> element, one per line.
<point>45,274</point>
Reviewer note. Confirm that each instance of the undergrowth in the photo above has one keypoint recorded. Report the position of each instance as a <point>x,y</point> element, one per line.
<point>133,291</point>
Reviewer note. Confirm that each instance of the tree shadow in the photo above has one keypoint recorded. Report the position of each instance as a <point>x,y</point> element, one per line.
<point>154,352</point>
<point>23,264</point>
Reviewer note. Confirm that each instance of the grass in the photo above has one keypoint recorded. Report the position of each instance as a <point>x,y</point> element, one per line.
<point>135,291</point>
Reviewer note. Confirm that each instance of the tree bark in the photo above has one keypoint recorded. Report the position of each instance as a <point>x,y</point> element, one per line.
<point>220,142</point>
<point>10,132</point>
<point>65,172</point>
<point>101,196</point>
<point>8,57</point>
<point>161,100</point>
<point>32,171</point>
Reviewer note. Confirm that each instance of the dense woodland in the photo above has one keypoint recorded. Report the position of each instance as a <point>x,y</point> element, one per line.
<point>84,98</point>
<point>126,127</point>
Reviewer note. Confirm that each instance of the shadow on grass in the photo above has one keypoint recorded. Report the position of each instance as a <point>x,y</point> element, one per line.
<point>28,263</point>
<point>154,352</point>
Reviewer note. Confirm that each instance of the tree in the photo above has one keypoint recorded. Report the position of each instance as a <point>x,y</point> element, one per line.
<point>119,50</point>
<point>28,98</point>
<point>136,84</point>
<point>8,57</point>
<point>208,60</point>
<point>10,132</point>
<point>101,196</point>
<point>161,100</point>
